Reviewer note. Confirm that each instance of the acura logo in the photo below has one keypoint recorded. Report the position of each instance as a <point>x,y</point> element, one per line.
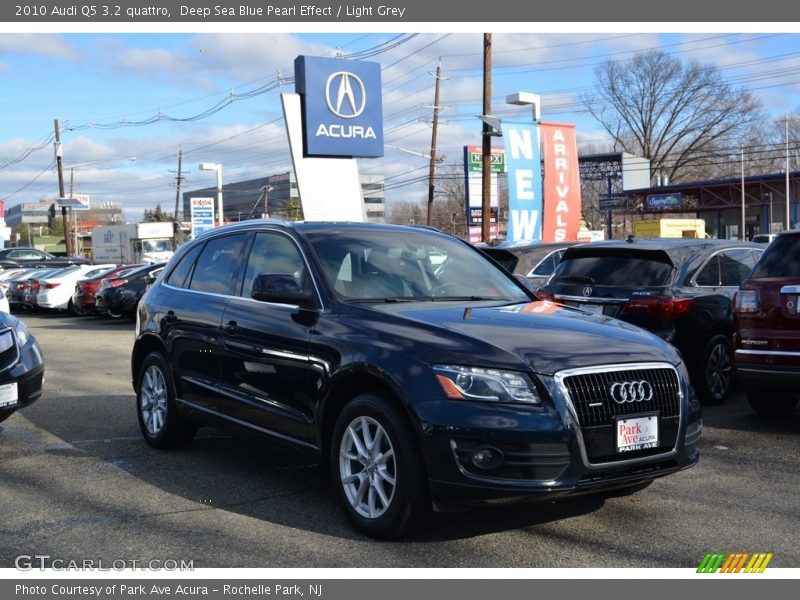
<point>631,391</point>
<point>345,95</point>
<point>587,291</point>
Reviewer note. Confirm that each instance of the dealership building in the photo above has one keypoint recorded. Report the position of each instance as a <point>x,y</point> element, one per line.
<point>277,196</point>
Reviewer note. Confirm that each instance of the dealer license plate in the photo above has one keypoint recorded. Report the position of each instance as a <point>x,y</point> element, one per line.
<point>637,433</point>
<point>596,309</point>
<point>9,396</point>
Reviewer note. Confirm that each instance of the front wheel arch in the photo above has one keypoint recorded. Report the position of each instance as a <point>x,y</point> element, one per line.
<point>376,467</point>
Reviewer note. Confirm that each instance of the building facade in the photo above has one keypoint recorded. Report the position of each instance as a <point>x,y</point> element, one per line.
<point>276,196</point>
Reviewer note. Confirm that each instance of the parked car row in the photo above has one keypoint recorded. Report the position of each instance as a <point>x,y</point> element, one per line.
<point>729,307</point>
<point>81,290</point>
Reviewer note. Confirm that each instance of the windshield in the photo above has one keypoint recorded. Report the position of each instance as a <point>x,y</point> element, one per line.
<point>156,245</point>
<point>376,265</point>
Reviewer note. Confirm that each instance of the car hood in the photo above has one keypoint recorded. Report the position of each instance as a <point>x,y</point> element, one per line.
<point>546,336</point>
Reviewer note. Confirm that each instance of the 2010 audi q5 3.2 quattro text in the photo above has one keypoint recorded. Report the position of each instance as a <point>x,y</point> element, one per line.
<point>422,383</point>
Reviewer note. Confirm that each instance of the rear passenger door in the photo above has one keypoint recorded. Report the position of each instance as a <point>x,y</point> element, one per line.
<point>200,291</point>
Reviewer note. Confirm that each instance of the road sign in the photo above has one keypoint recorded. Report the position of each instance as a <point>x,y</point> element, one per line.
<point>613,202</point>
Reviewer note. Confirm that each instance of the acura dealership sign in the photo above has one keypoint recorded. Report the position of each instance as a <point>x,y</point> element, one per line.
<point>342,106</point>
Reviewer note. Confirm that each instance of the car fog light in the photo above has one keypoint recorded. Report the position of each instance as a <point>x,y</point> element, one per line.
<point>487,458</point>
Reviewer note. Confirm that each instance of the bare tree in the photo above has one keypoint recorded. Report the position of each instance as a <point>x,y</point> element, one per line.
<point>684,117</point>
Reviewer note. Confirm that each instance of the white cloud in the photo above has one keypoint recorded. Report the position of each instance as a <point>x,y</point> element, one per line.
<point>48,45</point>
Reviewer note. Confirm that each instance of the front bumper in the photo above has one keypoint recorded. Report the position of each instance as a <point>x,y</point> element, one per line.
<point>541,451</point>
<point>27,371</point>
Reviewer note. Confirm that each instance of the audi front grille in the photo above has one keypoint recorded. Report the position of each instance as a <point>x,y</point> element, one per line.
<point>598,396</point>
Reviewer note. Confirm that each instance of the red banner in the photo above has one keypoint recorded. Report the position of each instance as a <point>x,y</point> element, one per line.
<point>562,183</point>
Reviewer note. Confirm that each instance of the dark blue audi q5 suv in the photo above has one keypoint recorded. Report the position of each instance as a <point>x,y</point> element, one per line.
<point>423,383</point>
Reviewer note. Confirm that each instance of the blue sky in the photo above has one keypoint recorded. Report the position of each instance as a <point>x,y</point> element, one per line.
<point>102,85</point>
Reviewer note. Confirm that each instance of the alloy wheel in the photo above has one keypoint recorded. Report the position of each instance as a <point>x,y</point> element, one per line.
<point>367,467</point>
<point>719,371</point>
<point>153,403</point>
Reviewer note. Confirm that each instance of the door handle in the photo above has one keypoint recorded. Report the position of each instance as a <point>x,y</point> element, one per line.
<point>231,327</point>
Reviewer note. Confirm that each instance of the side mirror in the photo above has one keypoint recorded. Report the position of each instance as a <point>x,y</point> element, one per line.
<point>281,288</point>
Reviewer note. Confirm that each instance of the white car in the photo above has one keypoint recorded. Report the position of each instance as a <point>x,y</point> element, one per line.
<point>4,306</point>
<point>55,290</point>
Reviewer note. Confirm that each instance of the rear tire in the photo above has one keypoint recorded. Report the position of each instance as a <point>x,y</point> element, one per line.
<point>715,379</point>
<point>77,311</point>
<point>766,401</point>
<point>161,425</point>
<point>377,468</point>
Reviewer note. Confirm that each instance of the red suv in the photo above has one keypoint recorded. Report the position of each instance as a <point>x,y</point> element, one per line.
<point>767,338</point>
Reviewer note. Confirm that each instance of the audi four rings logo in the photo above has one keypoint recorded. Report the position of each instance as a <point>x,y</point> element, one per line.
<point>631,391</point>
<point>348,103</point>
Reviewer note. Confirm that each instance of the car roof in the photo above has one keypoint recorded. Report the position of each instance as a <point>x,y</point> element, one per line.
<point>314,226</point>
<point>677,250</point>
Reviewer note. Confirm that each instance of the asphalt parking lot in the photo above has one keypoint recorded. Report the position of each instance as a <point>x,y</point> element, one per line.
<point>78,483</point>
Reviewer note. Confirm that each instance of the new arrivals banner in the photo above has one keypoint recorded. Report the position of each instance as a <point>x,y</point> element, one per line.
<point>562,183</point>
<point>523,160</point>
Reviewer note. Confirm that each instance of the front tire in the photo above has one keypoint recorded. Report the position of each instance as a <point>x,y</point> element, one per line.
<point>766,401</point>
<point>716,378</point>
<point>159,421</point>
<point>377,468</point>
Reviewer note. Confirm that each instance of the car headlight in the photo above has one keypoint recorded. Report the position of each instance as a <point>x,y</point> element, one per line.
<point>22,333</point>
<point>488,385</point>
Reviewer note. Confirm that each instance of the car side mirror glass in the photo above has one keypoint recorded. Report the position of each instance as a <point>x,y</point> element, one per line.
<point>281,288</point>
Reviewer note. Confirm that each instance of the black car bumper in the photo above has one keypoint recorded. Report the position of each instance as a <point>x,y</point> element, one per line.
<point>481,453</point>
<point>754,370</point>
<point>21,378</point>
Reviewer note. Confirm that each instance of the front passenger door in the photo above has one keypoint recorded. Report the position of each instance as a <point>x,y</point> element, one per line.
<point>266,360</point>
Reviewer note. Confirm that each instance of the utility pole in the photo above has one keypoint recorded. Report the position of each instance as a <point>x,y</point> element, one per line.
<point>60,169</point>
<point>432,170</point>
<point>176,227</point>
<point>178,179</point>
<point>486,188</point>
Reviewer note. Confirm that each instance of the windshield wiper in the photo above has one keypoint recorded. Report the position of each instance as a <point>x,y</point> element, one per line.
<point>469,298</point>
<point>389,299</point>
<point>577,278</point>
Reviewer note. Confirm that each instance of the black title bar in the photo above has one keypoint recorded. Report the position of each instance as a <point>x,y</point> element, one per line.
<point>399,11</point>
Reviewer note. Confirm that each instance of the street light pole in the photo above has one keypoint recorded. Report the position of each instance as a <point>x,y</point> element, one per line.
<point>218,168</point>
<point>742,234</point>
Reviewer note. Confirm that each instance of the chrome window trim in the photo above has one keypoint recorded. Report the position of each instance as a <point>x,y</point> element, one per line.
<point>559,378</point>
<point>260,302</point>
<point>693,281</point>
<point>536,266</point>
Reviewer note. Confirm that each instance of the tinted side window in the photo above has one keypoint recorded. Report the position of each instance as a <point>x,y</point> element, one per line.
<point>734,266</point>
<point>781,259</point>
<point>218,266</point>
<point>273,253</point>
<point>548,265</point>
<point>709,275</point>
<point>180,274</point>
